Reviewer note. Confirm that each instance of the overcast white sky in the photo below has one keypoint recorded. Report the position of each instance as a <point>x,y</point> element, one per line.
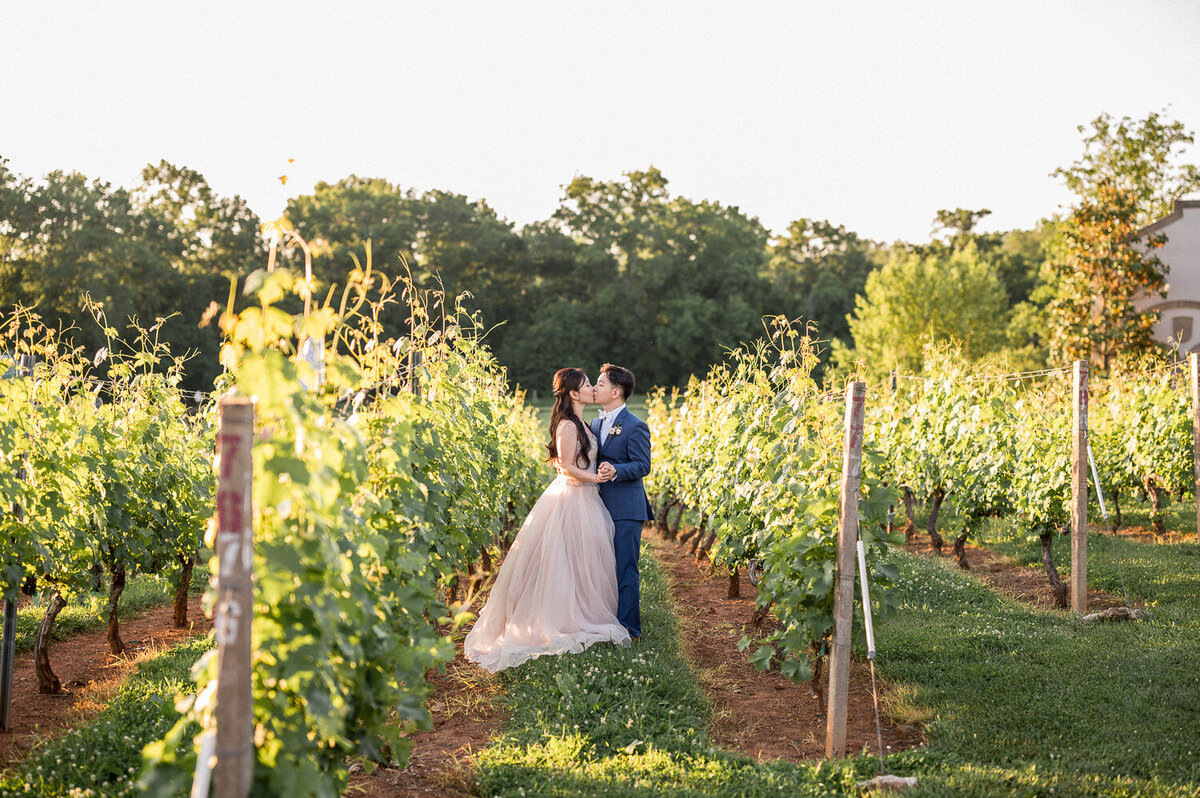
<point>870,114</point>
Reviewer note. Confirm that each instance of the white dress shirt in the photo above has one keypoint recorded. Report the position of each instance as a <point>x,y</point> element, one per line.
<point>607,423</point>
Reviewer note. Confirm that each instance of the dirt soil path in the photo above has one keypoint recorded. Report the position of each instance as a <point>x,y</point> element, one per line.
<point>89,674</point>
<point>442,765</point>
<point>762,715</point>
<point>1008,577</point>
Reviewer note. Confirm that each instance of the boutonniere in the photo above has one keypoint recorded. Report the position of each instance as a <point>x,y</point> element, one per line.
<point>616,430</point>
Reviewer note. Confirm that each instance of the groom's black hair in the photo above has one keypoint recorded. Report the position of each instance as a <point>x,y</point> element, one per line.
<point>620,377</point>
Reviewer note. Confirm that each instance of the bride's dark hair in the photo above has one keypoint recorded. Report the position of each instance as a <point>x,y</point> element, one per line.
<point>565,381</point>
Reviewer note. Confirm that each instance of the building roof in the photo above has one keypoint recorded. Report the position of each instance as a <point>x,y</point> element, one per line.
<point>1175,215</point>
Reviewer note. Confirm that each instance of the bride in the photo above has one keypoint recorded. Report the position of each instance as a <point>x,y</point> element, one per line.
<point>557,588</point>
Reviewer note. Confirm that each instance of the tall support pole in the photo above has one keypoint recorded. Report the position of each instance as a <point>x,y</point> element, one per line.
<point>415,356</point>
<point>1079,496</point>
<point>235,557</point>
<point>8,636</point>
<point>843,602</point>
<point>1194,359</point>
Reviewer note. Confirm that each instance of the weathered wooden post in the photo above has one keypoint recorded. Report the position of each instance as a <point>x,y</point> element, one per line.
<point>843,602</point>
<point>235,557</point>
<point>1194,359</point>
<point>415,357</point>
<point>8,637</point>
<point>1079,495</point>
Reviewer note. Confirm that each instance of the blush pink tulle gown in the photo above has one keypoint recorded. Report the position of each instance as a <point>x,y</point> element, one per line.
<point>557,588</point>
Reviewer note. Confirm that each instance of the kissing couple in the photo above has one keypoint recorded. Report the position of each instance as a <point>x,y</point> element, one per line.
<point>570,578</point>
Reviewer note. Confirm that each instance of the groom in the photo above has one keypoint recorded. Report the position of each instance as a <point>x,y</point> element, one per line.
<point>624,460</point>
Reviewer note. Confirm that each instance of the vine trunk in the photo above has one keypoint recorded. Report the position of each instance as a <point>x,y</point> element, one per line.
<point>48,683</point>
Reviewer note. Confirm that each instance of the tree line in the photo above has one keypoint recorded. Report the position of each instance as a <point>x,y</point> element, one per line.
<point>623,270</point>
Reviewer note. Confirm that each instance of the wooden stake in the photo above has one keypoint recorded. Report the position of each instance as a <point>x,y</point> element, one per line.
<point>414,375</point>
<point>843,602</point>
<point>8,636</point>
<point>235,557</point>
<point>1079,490</point>
<point>1194,358</point>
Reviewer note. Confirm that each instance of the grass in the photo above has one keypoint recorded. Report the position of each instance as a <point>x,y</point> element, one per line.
<point>104,757</point>
<point>1014,700</point>
<point>90,612</point>
<point>631,722</point>
<point>1022,701</point>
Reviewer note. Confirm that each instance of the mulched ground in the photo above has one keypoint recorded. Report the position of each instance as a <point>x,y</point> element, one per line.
<point>90,675</point>
<point>1145,535</point>
<point>441,762</point>
<point>759,714</point>
<point>762,715</point>
<point>1031,584</point>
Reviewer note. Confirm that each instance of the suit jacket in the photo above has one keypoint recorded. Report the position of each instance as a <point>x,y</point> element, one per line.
<point>629,452</point>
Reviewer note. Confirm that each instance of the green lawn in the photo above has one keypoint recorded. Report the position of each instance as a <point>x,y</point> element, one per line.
<point>613,721</point>
<point>1023,701</point>
<point>105,757</point>
<point>1016,701</point>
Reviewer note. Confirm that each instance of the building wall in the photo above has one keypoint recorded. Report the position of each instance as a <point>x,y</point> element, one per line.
<point>1179,311</point>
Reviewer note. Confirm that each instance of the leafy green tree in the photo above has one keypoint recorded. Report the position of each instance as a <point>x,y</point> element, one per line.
<point>959,223</point>
<point>14,223</point>
<point>1017,255</point>
<point>562,333</point>
<point>206,234</point>
<point>68,237</point>
<point>816,269</point>
<point>918,298</point>
<point>1020,257</point>
<point>162,250</point>
<point>676,281</point>
<point>464,246</point>
<point>1130,173</point>
<point>548,319</point>
<point>1102,269</point>
<point>1138,158</point>
<point>207,239</point>
<point>446,240</point>
<point>340,218</point>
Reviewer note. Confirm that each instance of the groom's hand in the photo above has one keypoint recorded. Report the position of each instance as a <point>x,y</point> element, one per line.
<point>606,471</point>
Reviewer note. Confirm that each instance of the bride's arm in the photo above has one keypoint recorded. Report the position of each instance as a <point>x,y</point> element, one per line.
<point>568,441</point>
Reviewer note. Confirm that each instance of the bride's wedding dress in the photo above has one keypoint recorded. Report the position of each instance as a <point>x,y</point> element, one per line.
<point>557,588</point>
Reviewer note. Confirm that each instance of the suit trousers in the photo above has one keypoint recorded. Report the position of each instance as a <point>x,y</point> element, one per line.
<point>627,541</point>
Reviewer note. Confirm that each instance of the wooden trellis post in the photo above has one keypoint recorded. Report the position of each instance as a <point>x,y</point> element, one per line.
<point>1194,359</point>
<point>8,637</point>
<point>1079,495</point>
<point>843,602</point>
<point>414,374</point>
<point>235,557</point>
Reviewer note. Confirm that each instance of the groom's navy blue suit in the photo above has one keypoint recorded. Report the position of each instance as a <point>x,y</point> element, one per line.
<point>628,449</point>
